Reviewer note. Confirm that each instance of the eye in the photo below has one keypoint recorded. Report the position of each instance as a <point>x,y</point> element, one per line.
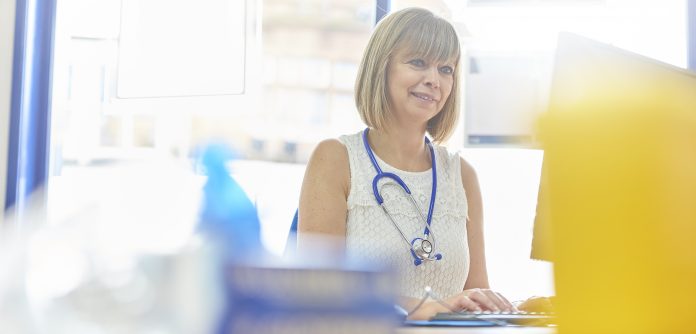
<point>417,62</point>
<point>446,70</point>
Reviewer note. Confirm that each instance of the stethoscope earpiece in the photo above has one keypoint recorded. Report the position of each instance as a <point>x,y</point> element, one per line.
<point>421,248</point>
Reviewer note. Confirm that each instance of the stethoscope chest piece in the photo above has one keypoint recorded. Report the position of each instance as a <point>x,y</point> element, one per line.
<point>422,247</point>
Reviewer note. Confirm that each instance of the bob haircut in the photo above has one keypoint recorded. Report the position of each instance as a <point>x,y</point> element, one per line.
<point>424,35</point>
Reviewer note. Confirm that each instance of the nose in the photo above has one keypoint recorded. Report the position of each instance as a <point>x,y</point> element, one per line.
<point>432,78</point>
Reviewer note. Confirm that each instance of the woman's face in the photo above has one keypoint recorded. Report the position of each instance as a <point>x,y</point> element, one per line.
<point>418,88</point>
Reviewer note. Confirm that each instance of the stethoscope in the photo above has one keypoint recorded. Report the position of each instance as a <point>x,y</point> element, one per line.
<point>422,249</point>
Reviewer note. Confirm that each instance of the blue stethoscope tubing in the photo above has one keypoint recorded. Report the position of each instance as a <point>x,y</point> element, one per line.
<point>421,248</point>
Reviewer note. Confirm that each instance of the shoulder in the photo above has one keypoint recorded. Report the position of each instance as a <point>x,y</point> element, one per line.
<point>447,155</point>
<point>453,161</point>
<point>469,177</point>
<point>352,141</point>
<point>329,150</point>
<point>467,170</point>
<point>329,164</point>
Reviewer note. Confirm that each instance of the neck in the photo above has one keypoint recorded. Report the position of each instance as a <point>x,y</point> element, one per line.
<point>405,150</point>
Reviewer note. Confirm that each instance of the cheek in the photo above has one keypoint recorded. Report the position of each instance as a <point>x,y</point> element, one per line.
<point>446,92</point>
<point>447,89</point>
<point>399,86</point>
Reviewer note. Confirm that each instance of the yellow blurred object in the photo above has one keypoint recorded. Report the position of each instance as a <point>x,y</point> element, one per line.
<point>620,161</point>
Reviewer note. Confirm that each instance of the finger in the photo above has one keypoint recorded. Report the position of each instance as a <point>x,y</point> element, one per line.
<point>495,298</point>
<point>507,305</point>
<point>481,298</point>
<point>510,306</point>
<point>464,303</point>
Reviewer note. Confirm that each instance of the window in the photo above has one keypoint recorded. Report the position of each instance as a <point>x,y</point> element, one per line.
<point>125,68</point>
<point>139,86</point>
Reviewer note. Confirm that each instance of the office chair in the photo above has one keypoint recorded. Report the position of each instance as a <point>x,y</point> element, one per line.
<point>291,244</point>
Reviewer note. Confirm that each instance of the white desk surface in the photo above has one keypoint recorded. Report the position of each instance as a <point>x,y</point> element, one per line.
<point>476,330</point>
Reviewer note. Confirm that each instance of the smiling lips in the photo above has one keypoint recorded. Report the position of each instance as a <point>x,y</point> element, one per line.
<point>424,97</point>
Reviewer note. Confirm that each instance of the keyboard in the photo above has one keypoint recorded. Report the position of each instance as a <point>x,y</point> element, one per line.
<point>500,318</point>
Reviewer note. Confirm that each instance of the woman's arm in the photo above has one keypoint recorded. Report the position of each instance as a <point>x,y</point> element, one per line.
<point>476,286</point>
<point>323,198</point>
<point>478,274</point>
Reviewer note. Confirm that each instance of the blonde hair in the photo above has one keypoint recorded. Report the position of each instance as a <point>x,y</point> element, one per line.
<point>421,33</point>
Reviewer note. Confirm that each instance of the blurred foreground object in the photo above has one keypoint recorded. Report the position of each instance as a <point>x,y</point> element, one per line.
<point>114,255</point>
<point>309,299</point>
<point>228,217</point>
<point>620,162</point>
<point>264,295</point>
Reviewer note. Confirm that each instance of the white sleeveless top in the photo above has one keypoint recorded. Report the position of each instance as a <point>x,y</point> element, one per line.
<point>371,236</point>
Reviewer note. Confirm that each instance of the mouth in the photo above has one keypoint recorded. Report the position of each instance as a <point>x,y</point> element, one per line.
<point>424,97</point>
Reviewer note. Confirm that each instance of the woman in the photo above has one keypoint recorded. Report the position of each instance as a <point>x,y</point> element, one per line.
<point>407,86</point>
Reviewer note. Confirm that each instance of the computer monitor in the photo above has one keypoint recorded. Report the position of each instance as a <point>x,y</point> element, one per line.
<point>618,194</point>
<point>541,237</point>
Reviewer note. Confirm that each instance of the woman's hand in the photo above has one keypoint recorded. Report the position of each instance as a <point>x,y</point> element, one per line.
<point>458,302</point>
<point>537,304</point>
<point>473,300</point>
<point>489,300</point>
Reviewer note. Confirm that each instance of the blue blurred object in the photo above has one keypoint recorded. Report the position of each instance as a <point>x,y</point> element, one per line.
<point>263,295</point>
<point>228,217</point>
<point>291,244</point>
<point>309,299</point>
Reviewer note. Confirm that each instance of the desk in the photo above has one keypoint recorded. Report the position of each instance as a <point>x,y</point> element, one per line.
<point>476,330</point>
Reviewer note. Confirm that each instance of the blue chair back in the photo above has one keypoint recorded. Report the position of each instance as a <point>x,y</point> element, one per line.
<point>291,244</point>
